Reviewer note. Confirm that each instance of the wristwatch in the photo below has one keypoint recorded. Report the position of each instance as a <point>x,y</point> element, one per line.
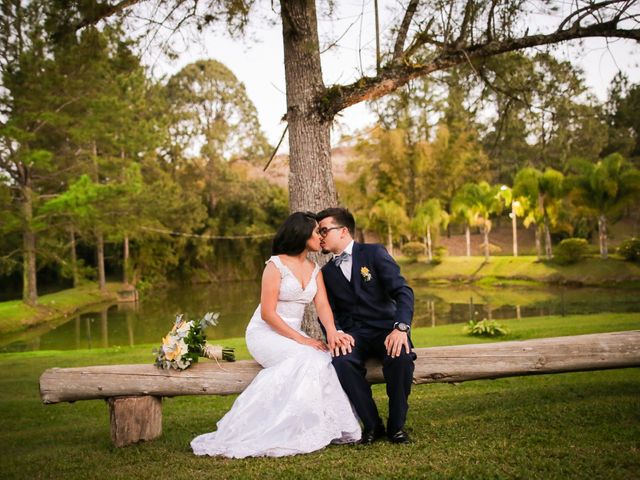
<point>403,327</point>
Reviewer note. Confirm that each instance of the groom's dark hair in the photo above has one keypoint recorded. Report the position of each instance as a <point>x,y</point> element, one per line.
<point>291,238</point>
<point>341,216</point>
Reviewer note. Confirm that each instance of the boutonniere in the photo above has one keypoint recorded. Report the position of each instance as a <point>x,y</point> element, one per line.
<point>366,274</point>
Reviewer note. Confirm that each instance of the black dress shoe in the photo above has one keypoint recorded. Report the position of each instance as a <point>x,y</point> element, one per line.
<point>399,437</point>
<point>370,436</point>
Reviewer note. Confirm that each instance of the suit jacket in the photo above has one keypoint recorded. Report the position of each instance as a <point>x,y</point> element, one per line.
<point>377,295</point>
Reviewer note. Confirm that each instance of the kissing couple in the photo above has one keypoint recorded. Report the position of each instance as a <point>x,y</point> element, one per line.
<point>311,393</point>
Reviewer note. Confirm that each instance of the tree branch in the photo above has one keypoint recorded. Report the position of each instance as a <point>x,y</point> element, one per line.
<point>103,11</point>
<point>397,74</point>
<point>585,11</point>
<point>404,29</point>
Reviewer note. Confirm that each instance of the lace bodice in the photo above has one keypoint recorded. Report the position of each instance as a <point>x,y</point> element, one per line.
<point>292,298</point>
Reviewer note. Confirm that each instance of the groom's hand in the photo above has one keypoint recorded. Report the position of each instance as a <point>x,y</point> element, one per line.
<point>395,341</point>
<point>341,344</point>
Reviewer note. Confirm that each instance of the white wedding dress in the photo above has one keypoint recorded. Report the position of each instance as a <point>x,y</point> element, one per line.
<point>295,404</point>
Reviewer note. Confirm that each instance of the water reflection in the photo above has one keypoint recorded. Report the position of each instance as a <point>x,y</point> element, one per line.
<point>130,324</point>
<point>445,305</point>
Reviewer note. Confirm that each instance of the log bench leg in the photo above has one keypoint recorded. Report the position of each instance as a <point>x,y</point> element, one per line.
<point>134,419</point>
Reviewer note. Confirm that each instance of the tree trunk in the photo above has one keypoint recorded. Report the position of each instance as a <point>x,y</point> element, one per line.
<point>29,279</point>
<point>311,184</point>
<point>467,236</point>
<point>125,260</point>
<point>104,328</point>
<point>514,229</point>
<point>547,240</point>
<point>448,364</point>
<point>135,418</point>
<point>485,232</point>
<point>429,247</point>
<point>74,257</point>
<point>538,243</point>
<point>389,240</point>
<point>102,283</point>
<point>602,235</point>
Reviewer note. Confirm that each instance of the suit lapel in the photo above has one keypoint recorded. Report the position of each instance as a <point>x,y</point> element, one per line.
<point>356,263</point>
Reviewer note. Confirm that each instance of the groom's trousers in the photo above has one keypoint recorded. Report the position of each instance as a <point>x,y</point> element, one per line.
<point>398,375</point>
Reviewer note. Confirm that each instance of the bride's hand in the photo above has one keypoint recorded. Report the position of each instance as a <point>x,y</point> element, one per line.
<point>312,342</point>
<point>340,343</point>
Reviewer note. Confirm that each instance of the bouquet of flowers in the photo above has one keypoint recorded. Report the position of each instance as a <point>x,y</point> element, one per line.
<point>186,342</point>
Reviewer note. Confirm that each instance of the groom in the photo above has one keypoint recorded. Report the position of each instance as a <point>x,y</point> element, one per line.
<point>372,302</point>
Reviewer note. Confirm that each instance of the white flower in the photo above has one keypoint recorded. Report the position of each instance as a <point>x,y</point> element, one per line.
<point>210,318</point>
<point>183,328</point>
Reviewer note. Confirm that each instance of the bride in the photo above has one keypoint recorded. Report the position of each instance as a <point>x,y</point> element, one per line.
<point>295,404</point>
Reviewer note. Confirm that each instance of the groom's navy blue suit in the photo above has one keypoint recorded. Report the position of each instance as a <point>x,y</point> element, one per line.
<point>367,307</point>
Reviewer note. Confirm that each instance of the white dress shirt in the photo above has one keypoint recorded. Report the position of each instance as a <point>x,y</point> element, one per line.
<point>346,264</point>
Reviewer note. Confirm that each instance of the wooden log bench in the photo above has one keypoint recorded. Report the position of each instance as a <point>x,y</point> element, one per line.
<point>134,392</point>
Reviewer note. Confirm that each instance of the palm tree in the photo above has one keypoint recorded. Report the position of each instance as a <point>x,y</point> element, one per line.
<point>605,188</point>
<point>429,215</point>
<point>475,202</point>
<point>391,217</point>
<point>463,211</point>
<point>487,201</point>
<point>541,193</point>
<point>506,195</point>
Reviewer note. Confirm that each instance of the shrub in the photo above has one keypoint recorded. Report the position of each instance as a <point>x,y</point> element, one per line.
<point>630,249</point>
<point>570,250</point>
<point>441,251</point>
<point>485,328</point>
<point>412,250</point>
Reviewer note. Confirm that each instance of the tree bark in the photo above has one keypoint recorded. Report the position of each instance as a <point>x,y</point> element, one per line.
<point>134,419</point>
<point>514,229</point>
<point>311,185</point>
<point>433,365</point>
<point>74,257</point>
<point>125,260</point>
<point>467,236</point>
<point>602,235</point>
<point>548,248</point>
<point>538,243</point>
<point>29,283</point>
<point>485,232</point>
<point>429,247</point>
<point>102,282</point>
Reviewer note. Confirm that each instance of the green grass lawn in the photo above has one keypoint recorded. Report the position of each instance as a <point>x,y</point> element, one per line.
<point>16,315</point>
<point>593,271</point>
<point>573,425</point>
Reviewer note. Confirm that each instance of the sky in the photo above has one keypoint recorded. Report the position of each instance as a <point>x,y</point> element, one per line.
<point>258,61</point>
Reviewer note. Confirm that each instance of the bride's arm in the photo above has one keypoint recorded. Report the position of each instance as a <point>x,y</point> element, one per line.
<point>339,342</point>
<point>269,301</point>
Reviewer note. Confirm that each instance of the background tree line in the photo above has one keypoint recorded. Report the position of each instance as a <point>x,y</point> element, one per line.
<point>460,148</point>
<point>104,168</point>
<point>100,162</point>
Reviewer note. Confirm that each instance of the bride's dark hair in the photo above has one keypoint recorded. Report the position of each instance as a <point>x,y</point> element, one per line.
<point>292,236</point>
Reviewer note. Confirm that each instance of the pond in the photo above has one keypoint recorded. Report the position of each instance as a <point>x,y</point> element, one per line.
<point>148,321</point>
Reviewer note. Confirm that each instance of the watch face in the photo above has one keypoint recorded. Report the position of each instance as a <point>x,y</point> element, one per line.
<point>403,327</point>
